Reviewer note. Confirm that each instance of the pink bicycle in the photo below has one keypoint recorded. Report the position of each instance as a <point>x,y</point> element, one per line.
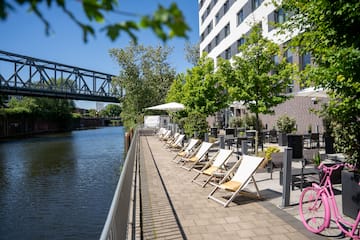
<point>318,201</point>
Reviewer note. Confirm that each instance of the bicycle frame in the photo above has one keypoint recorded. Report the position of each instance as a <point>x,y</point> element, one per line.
<point>326,188</point>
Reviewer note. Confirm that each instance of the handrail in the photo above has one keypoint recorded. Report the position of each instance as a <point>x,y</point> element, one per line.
<point>116,225</point>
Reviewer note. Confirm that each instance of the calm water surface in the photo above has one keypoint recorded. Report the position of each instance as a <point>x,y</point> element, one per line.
<point>59,186</point>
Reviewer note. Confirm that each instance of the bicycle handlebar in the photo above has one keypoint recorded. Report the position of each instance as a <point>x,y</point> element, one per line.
<point>334,167</point>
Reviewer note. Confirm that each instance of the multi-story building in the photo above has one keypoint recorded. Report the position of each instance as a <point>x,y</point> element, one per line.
<point>222,25</point>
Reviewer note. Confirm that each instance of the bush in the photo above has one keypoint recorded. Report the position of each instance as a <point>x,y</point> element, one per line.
<point>267,155</point>
<point>285,124</point>
<point>347,137</point>
<point>248,121</point>
<point>236,122</point>
<point>195,122</point>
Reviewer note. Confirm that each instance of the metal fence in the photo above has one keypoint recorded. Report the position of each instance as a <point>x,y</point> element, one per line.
<point>120,214</point>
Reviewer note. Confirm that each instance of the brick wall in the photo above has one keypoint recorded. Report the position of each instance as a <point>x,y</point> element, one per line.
<point>298,108</point>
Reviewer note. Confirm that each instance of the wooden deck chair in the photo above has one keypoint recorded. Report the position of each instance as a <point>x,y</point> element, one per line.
<point>187,150</point>
<point>189,163</point>
<point>239,181</point>
<point>177,144</point>
<point>216,163</point>
<point>165,136</point>
<point>171,139</point>
<point>161,132</point>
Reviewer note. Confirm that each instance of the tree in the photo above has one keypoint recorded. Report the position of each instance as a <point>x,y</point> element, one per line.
<point>202,92</point>
<point>175,93</point>
<point>92,113</point>
<point>47,108</point>
<point>25,105</point>
<point>329,32</point>
<point>111,110</point>
<point>166,23</point>
<point>192,52</point>
<point>146,76</point>
<point>252,81</point>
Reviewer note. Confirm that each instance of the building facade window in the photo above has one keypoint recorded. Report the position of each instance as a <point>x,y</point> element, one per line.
<point>255,4</point>
<point>240,17</point>
<point>276,59</point>
<point>217,40</point>
<point>240,42</point>
<point>201,3</point>
<point>209,28</point>
<point>289,56</point>
<point>226,6</point>
<point>228,53</point>
<point>209,47</point>
<point>280,16</point>
<point>305,60</point>
<point>217,18</point>
<point>227,30</point>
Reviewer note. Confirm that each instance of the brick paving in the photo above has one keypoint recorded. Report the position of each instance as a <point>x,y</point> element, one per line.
<point>172,207</point>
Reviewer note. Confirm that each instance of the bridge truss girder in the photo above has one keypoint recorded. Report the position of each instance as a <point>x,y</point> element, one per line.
<point>23,75</point>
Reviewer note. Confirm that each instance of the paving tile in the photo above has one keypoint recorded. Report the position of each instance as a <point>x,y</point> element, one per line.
<point>175,208</point>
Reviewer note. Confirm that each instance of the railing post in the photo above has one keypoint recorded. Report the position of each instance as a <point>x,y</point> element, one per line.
<point>222,142</point>
<point>286,176</point>
<point>127,141</point>
<point>244,147</point>
<point>206,137</point>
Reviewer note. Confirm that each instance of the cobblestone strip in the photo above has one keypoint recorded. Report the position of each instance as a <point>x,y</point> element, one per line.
<point>158,217</point>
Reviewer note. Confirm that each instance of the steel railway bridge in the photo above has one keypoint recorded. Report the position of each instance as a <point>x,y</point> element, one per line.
<point>28,76</point>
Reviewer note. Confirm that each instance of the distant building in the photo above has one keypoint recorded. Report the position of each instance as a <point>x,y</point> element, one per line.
<point>99,106</point>
<point>222,24</point>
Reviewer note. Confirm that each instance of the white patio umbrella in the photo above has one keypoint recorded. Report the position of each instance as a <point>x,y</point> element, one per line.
<point>312,92</point>
<point>172,106</point>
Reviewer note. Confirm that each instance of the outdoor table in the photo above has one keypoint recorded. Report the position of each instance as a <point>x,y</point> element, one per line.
<point>298,174</point>
<point>311,138</point>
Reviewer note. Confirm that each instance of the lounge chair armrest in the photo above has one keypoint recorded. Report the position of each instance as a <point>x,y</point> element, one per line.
<point>230,171</point>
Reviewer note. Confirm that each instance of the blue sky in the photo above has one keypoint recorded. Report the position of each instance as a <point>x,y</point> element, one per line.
<point>24,33</point>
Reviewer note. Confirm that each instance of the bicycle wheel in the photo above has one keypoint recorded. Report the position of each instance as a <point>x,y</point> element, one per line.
<point>314,210</point>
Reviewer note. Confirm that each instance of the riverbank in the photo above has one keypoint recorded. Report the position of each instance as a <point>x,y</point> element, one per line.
<point>24,127</point>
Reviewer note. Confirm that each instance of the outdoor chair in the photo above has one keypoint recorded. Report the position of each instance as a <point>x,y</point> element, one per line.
<point>161,132</point>
<point>198,158</point>
<point>187,150</point>
<point>216,163</point>
<point>177,144</point>
<point>165,136</point>
<point>273,137</point>
<point>171,139</point>
<point>236,185</point>
<point>312,140</point>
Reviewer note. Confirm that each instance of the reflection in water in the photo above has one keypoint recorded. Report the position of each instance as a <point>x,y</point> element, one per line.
<point>3,180</point>
<point>53,157</point>
<point>59,186</point>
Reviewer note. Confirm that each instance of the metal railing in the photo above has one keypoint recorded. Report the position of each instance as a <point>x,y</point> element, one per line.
<point>120,214</point>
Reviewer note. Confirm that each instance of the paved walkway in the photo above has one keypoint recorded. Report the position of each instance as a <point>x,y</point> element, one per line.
<point>175,208</point>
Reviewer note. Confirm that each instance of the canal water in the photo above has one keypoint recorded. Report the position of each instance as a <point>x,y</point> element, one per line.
<point>59,186</point>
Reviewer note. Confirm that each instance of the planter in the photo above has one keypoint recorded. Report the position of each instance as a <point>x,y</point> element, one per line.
<point>296,143</point>
<point>283,139</point>
<point>350,193</point>
<point>335,176</point>
<point>214,132</point>
<point>329,144</point>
